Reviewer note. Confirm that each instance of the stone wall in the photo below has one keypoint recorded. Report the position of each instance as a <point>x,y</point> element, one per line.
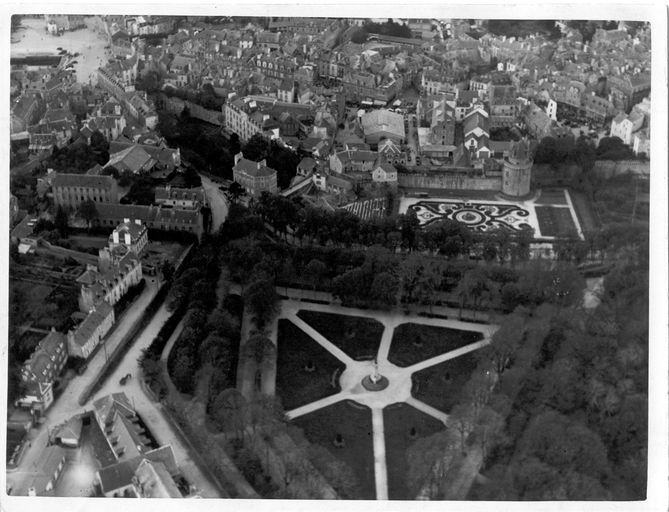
<point>176,106</point>
<point>446,180</point>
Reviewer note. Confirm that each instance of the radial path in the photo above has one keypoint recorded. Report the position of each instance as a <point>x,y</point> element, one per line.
<point>399,379</point>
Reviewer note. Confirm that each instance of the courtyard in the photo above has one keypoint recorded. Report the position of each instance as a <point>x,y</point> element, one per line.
<point>550,213</point>
<point>366,384</point>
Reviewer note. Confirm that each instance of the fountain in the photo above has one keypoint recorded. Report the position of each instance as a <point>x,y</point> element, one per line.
<point>375,381</point>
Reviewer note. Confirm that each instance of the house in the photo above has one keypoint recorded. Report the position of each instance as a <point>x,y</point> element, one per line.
<point>70,190</point>
<point>624,126</point>
<point>475,128</point>
<point>352,160</point>
<point>307,167</point>
<point>82,341</point>
<point>503,108</point>
<point>41,370</point>
<point>254,177</point>
<point>383,124</point>
<point>131,234</point>
<point>134,159</point>
<point>132,476</point>
<point>641,142</point>
<point>118,270</point>
<point>384,173</point>
<point>188,198</point>
<point>26,110</point>
<point>69,433</point>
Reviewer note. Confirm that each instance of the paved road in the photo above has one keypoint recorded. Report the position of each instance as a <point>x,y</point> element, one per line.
<point>217,201</point>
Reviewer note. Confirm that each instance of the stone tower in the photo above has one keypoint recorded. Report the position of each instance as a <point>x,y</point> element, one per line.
<point>517,172</point>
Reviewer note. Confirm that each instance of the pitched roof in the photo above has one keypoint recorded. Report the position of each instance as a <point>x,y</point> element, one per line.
<point>107,406</point>
<point>133,158</point>
<point>254,169</point>
<point>84,331</point>
<point>167,192</point>
<point>148,213</point>
<point>83,180</point>
<point>383,120</point>
<point>40,359</point>
<point>119,475</point>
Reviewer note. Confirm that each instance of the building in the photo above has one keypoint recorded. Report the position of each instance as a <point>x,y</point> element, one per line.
<point>82,341</point>
<point>353,160</point>
<point>384,173</point>
<point>254,177</point>
<point>132,234</point>
<point>70,190</point>
<point>517,170</point>
<point>50,466</point>
<point>189,198</point>
<point>41,370</point>
<point>155,217</point>
<point>503,106</point>
<point>26,111</point>
<point>476,131</point>
<point>625,125</point>
<point>118,270</point>
<point>148,475</point>
<point>383,124</point>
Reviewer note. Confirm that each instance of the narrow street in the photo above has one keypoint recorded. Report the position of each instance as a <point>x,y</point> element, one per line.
<point>67,404</point>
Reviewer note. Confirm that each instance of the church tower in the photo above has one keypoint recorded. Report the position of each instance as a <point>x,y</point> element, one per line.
<point>517,172</point>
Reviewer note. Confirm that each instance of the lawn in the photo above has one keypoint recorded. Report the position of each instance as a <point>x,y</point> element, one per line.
<point>413,343</point>
<point>295,385</point>
<point>358,336</point>
<point>354,423</point>
<point>398,421</point>
<point>552,196</point>
<point>440,385</point>
<point>555,221</point>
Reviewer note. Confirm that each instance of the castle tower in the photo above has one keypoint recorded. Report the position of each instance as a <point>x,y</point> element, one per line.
<point>517,172</point>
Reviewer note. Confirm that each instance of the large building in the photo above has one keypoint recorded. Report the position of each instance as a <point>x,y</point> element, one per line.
<point>254,177</point>
<point>503,106</point>
<point>383,124</point>
<point>118,270</point>
<point>181,197</point>
<point>132,234</point>
<point>155,217</point>
<point>70,190</point>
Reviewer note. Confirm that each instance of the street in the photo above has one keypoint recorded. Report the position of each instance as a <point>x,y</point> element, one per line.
<point>67,404</point>
<point>217,201</point>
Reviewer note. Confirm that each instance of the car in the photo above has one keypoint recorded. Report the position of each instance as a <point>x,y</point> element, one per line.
<point>125,379</point>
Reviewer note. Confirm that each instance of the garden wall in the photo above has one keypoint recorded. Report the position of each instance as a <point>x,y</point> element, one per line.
<point>177,105</point>
<point>446,180</point>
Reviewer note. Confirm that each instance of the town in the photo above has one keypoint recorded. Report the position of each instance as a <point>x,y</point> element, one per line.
<point>328,258</point>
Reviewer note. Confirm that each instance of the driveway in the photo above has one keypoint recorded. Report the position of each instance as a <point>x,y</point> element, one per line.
<point>217,201</point>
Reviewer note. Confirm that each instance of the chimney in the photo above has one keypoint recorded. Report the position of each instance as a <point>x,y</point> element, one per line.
<point>126,220</point>
<point>238,157</point>
<point>262,163</point>
<point>115,236</point>
<point>138,222</point>
<point>128,239</point>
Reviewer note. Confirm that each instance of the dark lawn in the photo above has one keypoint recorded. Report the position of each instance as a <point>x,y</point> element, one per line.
<point>413,343</point>
<point>354,423</point>
<point>358,336</point>
<point>398,420</point>
<point>552,196</point>
<point>555,221</point>
<point>295,385</point>
<point>440,385</point>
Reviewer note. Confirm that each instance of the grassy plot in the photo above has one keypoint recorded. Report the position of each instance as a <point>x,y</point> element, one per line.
<point>413,343</point>
<point>353,422</point>
<point>555,221</point>
<point>358,336</point>
<point>305,370</point>
<point>440,385</point>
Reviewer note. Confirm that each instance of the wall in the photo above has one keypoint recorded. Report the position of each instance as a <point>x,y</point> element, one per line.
<point>176,106</point>
<point>447,181</point>
<point>608,168</point>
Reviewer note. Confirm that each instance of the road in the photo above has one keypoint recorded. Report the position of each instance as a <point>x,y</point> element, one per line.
<point>217,201</point>
<point>67,404</point>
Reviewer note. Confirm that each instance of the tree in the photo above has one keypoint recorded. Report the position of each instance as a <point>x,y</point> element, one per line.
<point>383,290</point>
<point>88,211</point>
<point>315,271</point>
<point>504,343</point>
<point>463,419</point>
<point>228,412</point>
<point>261,298</point>
<point>61,222</point>
<point>235,191</point>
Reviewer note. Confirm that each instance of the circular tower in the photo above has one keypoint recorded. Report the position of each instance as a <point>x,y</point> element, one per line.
<point>517,171</point>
